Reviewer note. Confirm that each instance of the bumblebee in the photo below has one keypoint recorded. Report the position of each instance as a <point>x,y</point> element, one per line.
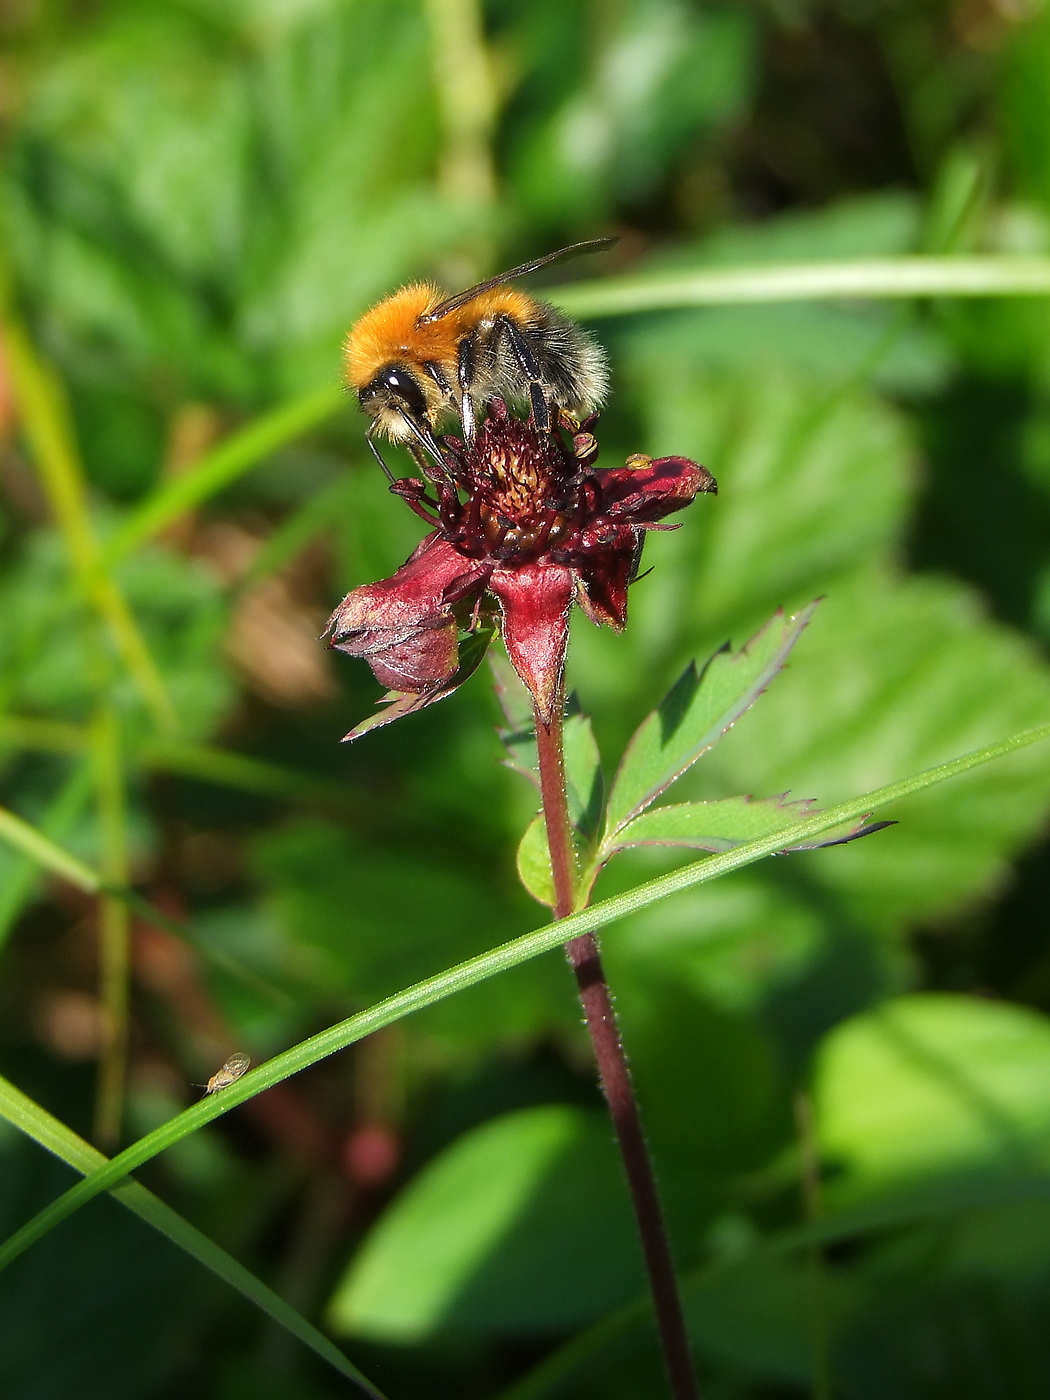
<point>419,355</point>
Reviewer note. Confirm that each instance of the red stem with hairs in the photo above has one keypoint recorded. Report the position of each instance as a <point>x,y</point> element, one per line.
<point>585,959</point>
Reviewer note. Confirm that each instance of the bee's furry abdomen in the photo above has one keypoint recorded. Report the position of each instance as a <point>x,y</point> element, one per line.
<point>573,364</point>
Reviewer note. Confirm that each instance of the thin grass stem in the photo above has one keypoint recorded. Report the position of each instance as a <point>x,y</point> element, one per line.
<point>45,419</point>
<point>114,931</point>
<point>217,469</point>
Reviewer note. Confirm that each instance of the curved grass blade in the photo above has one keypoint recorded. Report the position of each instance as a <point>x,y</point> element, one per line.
<point>227,768</point>
<point>478,969</point>
<point>234,456</point>
<point>209,762</point>
<point>62,814</point>
<point>28,1117</point>
<point>46,421</point>
<point>25,837</point>
<point>988,276</point>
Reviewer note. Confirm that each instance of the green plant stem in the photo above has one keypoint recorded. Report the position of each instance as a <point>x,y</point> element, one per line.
<point>114,932</point>
<point>453,979</point>
<point>585,960</point>
<point>467,100</point>
<point>816,281</point>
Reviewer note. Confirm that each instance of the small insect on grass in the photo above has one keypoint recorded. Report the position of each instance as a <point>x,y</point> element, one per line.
<point>234,1067</point>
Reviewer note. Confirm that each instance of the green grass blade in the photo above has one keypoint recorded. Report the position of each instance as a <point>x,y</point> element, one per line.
<point>210,762</point>
<point>32,842</point>
<point>46,421</point>
<point>29,1118</point>
<point>61,814</point>
<point>48,735</point>
<point>25,837</point>
<point>478,969</point>
<point>988,276</point>
<point>114,928</point>
<point>242,771</point>
<point>234,456</point>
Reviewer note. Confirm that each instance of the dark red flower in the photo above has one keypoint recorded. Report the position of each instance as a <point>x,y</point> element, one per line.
<point>525,525</point>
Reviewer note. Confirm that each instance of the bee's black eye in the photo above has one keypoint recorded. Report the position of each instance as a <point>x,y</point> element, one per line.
<point>403,386</point>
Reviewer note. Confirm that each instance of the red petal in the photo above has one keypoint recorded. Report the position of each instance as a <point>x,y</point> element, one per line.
<point>394,608</point>
<point>403,625</point>
<point>425,661</point>
<point>536,600</point>
<point>603,585</point>
<point>650,493</point>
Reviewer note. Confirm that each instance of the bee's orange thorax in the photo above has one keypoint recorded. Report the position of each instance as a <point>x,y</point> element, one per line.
<point>391,332</point>
<point>500,301</point>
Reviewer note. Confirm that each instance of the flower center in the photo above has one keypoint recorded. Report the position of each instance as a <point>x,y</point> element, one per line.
<point>522,493</point>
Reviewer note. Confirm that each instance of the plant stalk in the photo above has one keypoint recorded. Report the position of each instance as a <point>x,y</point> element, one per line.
<point>585,960</point>
<point>114,934</point>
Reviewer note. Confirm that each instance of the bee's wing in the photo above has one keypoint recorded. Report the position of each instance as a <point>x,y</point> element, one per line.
<point>575,250</point>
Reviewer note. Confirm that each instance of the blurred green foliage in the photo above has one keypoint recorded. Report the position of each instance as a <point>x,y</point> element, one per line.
<point>197,200</point>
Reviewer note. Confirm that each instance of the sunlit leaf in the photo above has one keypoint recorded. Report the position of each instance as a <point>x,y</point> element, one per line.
<point>695,715</point>
<point>934,1083</point>
<point>520,1223</point>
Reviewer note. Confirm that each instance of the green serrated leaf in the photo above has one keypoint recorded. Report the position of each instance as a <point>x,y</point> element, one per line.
<point>729,822</point>
<point>534,863</point>
<point>696,713</point>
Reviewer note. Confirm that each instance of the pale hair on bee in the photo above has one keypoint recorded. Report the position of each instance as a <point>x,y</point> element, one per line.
<point>234,1067</point>
<point>421,354</point>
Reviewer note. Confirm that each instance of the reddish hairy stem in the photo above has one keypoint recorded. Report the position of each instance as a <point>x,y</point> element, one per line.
<point>585,960</point>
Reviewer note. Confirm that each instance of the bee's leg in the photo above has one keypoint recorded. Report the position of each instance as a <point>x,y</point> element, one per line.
<point>465,374</point>
<point>448,391</point>
<point>526,358</point>
<point>378,455</point>
<point>424,446</point>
